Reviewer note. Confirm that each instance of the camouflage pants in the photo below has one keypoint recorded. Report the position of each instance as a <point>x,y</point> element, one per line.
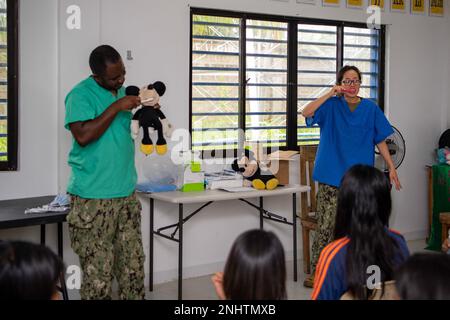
<point>326,216</point>
<point>106,235</point>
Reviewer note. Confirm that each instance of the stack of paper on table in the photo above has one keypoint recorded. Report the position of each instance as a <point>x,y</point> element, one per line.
<point>224,179</point>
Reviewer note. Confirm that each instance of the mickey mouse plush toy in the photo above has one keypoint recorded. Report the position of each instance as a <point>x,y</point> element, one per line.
<point>150,117</point>
<point>254,176</point>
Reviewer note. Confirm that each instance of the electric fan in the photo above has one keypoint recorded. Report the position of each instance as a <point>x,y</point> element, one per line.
<point>397,148</point>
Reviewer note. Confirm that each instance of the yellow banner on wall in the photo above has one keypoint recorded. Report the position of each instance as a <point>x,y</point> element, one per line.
<point>355,3</point>
<point>437,7</point>
<point>331,2</point>
<point>398,5</point>
<point>378,3</point>
<point>418,6</point>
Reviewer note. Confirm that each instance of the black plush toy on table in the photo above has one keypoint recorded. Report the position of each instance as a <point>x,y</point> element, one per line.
<point>150,117</point>
<point>254,176</point>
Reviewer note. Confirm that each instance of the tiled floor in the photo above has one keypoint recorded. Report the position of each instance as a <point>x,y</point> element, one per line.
<point>201,288</point>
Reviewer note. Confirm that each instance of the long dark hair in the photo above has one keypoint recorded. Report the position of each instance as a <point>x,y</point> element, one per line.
<point>255,268</point>
<point>363,211</point>
<point>28,271</point>
<point>424,276</point>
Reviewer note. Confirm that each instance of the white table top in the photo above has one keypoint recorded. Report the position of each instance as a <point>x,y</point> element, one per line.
<point>220,195</point>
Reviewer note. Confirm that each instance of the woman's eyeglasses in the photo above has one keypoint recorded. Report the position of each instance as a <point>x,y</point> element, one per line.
<point>350,82</point>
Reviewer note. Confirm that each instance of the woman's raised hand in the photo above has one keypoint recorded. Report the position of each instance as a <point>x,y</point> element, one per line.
<point>337,89</point>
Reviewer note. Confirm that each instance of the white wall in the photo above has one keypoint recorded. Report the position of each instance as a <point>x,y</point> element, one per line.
<point>416,105</point>
<point>157,32</point>
<point>38,92</point>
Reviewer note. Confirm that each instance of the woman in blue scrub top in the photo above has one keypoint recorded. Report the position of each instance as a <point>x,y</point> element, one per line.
<point>350,128</point>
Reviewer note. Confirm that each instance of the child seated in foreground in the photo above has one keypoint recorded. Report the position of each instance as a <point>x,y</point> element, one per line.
<point>255,269</point>
<point>362,239</point>
<point>28,271</point>
<point>425,276</point>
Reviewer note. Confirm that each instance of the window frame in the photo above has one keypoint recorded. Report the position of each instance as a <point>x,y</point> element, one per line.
<point>292,65</point>
<point>12,14</point>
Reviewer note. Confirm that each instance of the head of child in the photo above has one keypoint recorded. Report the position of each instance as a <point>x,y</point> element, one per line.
<point>255,268</point>
<point>424,276</point>
<point>28,271</point>
<point>364,201</point>
<point>363,211</point>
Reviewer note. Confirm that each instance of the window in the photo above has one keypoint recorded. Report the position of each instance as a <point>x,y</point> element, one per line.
<point>8,84</point>
<point>215,82</point>
<point>266,77</point>
<point>256,73</point>
<point>317,64</point>
<point>361,49</point>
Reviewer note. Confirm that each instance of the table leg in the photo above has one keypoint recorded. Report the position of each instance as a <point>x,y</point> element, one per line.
<point>63,287</point>
<point>294,235</point>
<point>261,213</point>
<point>60,254</point>
<point>180,251</point>
<point>43,234</point>
<point>60,239</point>
<point>150,284</point>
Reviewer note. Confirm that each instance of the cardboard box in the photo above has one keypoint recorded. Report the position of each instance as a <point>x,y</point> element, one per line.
<point>279,164</point>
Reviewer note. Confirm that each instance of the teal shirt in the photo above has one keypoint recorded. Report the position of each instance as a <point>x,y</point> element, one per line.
<point>104,168</point>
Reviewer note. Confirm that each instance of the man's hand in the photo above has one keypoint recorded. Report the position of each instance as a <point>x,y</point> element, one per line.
<point>127,103</point>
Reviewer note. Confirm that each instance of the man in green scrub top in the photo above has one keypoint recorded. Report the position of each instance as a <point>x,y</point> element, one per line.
<point>105,217</point>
